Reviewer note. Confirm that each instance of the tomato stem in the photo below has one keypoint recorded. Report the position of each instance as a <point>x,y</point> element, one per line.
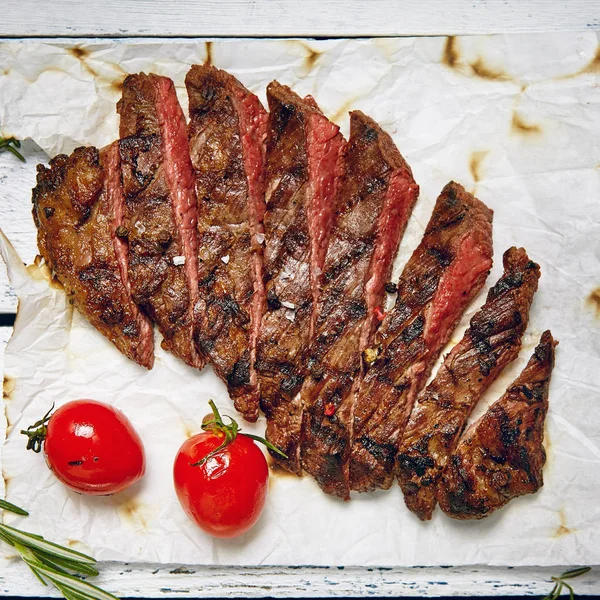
<point>215,424</point>
<point>37,432</point>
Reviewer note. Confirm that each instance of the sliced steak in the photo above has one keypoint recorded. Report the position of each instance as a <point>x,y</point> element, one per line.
<point>502,455</point>
<point>442,276</point>
<point>77,208</point>
<point>376,196</point>
<point>492,341</point>
<point>302,168</point>
<point>227,133</point>
<point>160,209</point>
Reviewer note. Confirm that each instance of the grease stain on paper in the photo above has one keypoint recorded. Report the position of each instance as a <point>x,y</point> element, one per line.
<point>311,56</point>
<point>8,387</point>
<point>82,55</point>
<point>475,162</point>
<point>342,110</point>
<point>135,513</point>
<point>594,300</point>
<point>208,46</point>
<point>522,127</point>
<point>563,529</point>
<point>479,67</point>
<point>592,67</point>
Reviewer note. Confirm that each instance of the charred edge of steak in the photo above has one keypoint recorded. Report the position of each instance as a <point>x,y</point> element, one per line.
<point>76,202</point>
<point>180,176</point>
<point>432,295</point>
<point>502,455</point>
<point>303,153</point>
<point>217,99</point>
<point>400,197</point>
<point>144,351</point>
<point>376,169</point>
<point>158,180</point>
<point>443,407</point>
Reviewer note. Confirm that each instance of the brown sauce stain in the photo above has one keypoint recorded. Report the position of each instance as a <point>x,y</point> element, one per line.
<point>6,72</point>
<point>8,387</point>
<point>209,58</point>
<point>311,56</point>
<point>592,67</point>
<point>342,110</point>
<point>481,69</point>
<point>562,529</point>
<point>451,55</point>
<point>78,52</point>
<point>475,163</point>
<point>81,54</point>
<point>132,512</point>
<point>117,85</point>
<point>521,126</point>
<point>594,300</point>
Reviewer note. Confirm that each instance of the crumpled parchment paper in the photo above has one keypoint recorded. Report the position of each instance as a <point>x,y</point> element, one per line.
<point>516,119</point>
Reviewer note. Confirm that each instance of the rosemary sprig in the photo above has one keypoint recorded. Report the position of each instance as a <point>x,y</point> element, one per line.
<point>11,144</point>
<point>560,583</point>
<point>52,563</point>
<point>215,423</point>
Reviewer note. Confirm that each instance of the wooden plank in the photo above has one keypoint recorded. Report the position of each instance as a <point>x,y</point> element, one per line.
<point>277,18</point>
<point>15,212</point>
<point>127,580</point>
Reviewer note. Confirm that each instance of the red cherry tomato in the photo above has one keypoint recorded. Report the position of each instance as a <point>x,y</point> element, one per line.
<point>226,494</point>
<point>93,449</point>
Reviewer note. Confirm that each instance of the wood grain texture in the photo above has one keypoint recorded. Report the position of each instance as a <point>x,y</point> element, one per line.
<point>126,580</point>
<point>277,18</point>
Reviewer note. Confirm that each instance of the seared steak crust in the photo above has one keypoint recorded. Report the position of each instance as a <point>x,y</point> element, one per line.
<point>230,283</point>
<point>492,341</point>
<point>161,265</point>
<point>502,455</point>
<point>352,288</point>
<point>290,246</point>
<point>442,276</point>
<point>75,217</point>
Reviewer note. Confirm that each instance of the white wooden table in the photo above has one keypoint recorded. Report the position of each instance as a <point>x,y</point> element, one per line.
<point>269,18</point>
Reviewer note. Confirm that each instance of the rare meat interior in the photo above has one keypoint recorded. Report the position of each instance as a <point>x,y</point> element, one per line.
<point>262,242</point>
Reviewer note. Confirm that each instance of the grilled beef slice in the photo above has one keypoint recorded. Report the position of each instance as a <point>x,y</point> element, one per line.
<point>227,133</point>
<point>376,196</point>
<point>502,455</point>
<point>160,209</point>
<point>492,341</point>
<point>77,208</point>
<point>303,152</point>
<point>441,278</point>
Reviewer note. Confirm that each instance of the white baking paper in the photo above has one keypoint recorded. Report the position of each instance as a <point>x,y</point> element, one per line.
<point>514,119</point>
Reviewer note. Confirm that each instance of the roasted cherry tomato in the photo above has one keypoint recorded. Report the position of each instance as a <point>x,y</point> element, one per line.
<point>91,447</point>
<point>221,478</point>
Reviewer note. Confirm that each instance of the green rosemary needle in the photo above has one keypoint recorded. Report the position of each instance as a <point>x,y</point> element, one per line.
<point>11,144</point>
<point>52,563</point>
<point>560,583</point>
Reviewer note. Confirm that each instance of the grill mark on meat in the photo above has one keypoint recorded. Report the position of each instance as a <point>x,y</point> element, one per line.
<point>227,131</point>
<point>376,196</point>
<point>492,341</point>
<point>77,207</point>
<point>160,209</point>
<point>501,456</point>
<point>303,150</point>
<point>431,298</point>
